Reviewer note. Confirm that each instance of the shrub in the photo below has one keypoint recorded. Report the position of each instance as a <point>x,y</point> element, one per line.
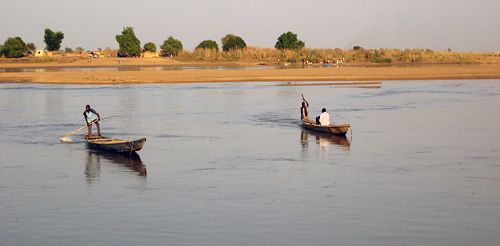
<point>289,41</point>
<point>13,48</point>
<point>234,43</point>
<point>171,46</point>
<point>208,44</point>
<point>382,60</point>
<point>150,47</point>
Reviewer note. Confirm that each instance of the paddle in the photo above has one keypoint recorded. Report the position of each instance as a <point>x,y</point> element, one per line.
<point>62,138</point>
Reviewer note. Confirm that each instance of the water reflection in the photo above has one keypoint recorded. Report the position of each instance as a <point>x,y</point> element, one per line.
<point>324,139</point>
<point>95,158</point>
<point>92,169</point>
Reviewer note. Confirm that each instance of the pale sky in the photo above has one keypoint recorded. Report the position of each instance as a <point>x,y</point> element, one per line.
<point>439,25</point>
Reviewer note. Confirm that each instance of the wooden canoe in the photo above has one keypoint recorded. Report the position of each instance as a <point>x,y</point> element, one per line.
<point>333,129</point>
<point>114,145</point>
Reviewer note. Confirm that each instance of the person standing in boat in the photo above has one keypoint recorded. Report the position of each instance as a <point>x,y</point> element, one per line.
<point>90,116</point>
<point>304,115</point>
<point>324,118</point>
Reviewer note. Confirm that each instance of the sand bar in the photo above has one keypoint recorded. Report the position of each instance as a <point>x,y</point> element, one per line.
<point>346,73</point>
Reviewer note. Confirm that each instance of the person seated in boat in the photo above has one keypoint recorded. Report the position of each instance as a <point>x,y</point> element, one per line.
<point>304,115</point>
<point>324,118</point>
<point>91,116</point>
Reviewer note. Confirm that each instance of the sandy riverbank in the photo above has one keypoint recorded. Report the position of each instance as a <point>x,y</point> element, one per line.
<point>149,73</point>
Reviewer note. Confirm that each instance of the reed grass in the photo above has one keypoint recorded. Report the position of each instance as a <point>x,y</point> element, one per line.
<point>271,55</point>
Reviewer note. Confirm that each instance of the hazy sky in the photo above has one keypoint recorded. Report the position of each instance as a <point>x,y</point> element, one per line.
<point>460,25</point>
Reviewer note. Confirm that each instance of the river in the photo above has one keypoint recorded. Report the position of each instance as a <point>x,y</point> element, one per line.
<point>228,164</point>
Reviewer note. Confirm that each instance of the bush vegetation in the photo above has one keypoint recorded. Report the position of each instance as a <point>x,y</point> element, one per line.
<point>233,43</point>
<point>171,46</point>
<point>13,48</point>
<point>208,44</point>
<point>150,47</point>
<point>289,40</point>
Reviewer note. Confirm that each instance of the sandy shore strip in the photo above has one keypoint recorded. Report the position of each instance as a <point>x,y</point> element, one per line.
<point>423,72</point>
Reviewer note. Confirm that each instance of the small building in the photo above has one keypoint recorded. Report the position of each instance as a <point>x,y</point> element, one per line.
<point>149,54</point>
<point>40,53</point>
<point>55,53</point>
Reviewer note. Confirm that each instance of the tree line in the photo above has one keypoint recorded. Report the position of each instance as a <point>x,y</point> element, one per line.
<point>288,48</point>
<point>15,47</point>
<point>129,44</point>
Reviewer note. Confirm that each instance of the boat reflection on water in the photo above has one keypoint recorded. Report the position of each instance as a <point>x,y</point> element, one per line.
<point>95,158</point>
<point>324,139</point>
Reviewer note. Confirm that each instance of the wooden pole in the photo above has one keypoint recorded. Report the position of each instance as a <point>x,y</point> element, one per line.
<point>71,133</point>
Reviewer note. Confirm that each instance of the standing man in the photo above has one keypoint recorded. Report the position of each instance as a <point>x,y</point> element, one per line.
<point>324,118</point>
<point>304,115</point>
<point>90,116</point>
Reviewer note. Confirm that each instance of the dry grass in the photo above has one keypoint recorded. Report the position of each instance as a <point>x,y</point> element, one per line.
<point>253,54</point>
<point>271,55</point>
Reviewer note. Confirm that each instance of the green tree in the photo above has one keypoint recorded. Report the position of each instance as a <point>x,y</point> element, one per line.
<point>52,39</point>
<point>233,42</point>
<point>171,46</point>
<point>289,41</point>
<point>226,38</point>
<point>14,48</point>
<point>79,50</point>
<point>68,50</point>
<point>128,42</point>
<point>31,47</point>
<point>208,44</point>
<point>150,47</point>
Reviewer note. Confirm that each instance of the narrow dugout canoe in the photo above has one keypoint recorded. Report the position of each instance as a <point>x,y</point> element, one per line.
<point>334,129</point>
<point>114,145</point>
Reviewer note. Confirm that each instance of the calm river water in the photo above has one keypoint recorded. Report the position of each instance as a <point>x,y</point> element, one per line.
<point>228,164</point>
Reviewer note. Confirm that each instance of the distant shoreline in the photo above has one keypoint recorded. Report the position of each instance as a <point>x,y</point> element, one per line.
<point>148,74</point>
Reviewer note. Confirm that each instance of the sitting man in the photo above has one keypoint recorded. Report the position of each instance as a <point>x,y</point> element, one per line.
<point>324,118</point>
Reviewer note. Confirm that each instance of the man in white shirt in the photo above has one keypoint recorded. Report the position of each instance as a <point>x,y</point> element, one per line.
<point>91,116</point>
<point>324,118</point>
